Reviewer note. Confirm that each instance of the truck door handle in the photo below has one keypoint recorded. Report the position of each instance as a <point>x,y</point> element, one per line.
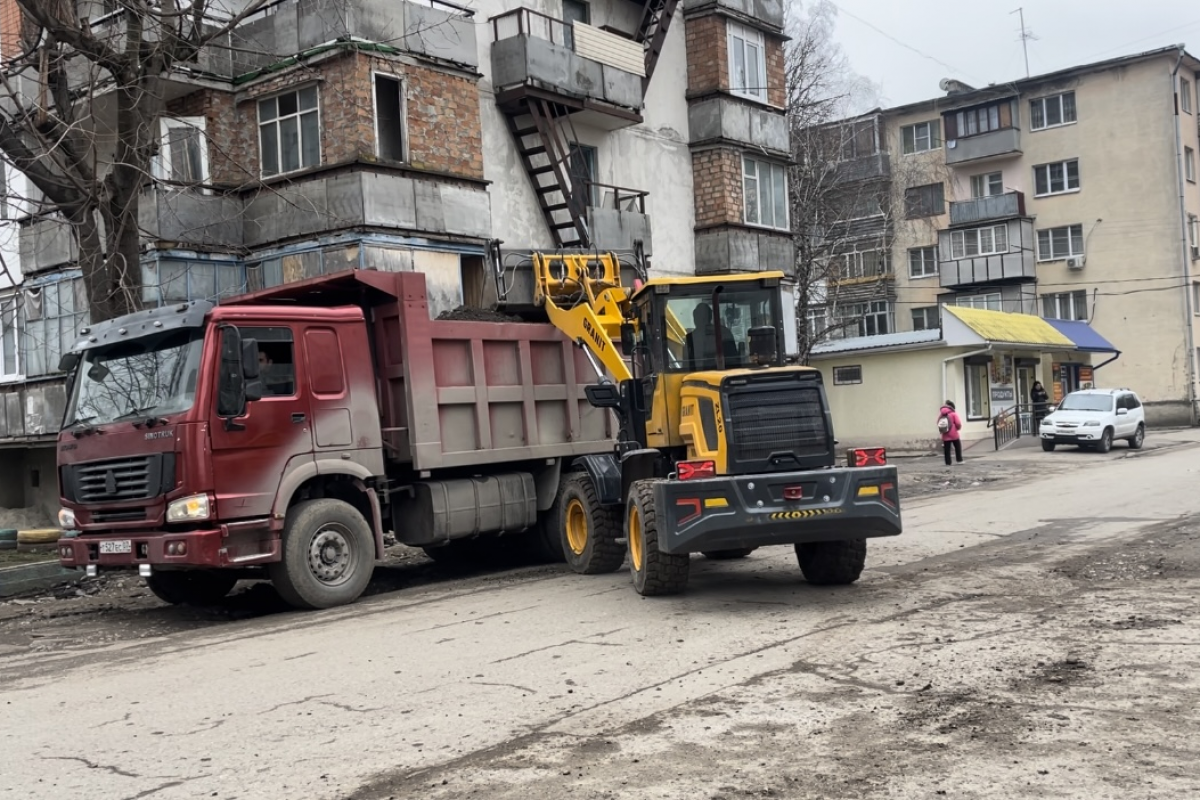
<point>297,419</point>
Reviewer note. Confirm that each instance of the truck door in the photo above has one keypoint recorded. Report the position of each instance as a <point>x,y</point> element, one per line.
<point>328,395</point>
<point>274,437</point>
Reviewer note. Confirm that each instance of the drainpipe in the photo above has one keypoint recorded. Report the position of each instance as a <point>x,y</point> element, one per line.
<point>1188,312</point>
<point>1109,361</point>
<point>946,362</point>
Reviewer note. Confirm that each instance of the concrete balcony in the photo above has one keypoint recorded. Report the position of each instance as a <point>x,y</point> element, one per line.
<point>582,67</point>
<point>990,146</point>
<point>724,119</point>
<point>617,218</point>
<point>720,251</point>
<point>985,209</point>
<point>191,217</point>
<point>1016,263</point>
<point>875,167</point>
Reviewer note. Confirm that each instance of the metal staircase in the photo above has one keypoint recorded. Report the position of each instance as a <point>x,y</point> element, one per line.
<point>540,128</point>
<point>652,32</point>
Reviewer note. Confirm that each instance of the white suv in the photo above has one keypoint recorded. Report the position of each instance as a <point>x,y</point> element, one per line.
<point>1094,418</point>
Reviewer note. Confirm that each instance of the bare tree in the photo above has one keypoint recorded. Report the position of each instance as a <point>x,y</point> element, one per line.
<point>79,110</point>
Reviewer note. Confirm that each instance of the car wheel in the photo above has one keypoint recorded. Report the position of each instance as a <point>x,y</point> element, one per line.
<point>1106,440</point>
<point>1048,445</point>
<point>1138,438</point>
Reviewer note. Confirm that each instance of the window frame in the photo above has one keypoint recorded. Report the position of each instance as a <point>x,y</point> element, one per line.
<point>921,210</point>
<point>1066,178</point>
<point>985,297</point>
<point>10,326</point>
<point>971,386</point>
<point>1185,95</point>
<point>1043,258</point>
<point>1043,103</point>
<point>983,180</point>
<point>930,135</point>
<point>773,169</point>
<point>979,251</point>
<point>1070,306</point>
<point>1189,164</point>
<point>743,37</point>
<point>936,267</point>
<point>161,166</point>
<point>924,312</point>
<point>291,342</point>
<point>402,90</point>
<point>857,257</point>
<point>299,114</point>
<point>839,381</point>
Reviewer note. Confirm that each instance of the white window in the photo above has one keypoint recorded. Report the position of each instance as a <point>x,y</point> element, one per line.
<point>52,315</point>
<point>1065,305</point>
<point>289,132</point>
<point>1055,244</point>
<point>870,262</point>
<point>1194,237</point>
<point>847,375</point>
<point>183,150</point>
<point>390,135</point>
<point>987,185</point>
<point>988,302</point>
<point>1189,164</point>
<point>922,262</point>
<point>817,324</point>
<point>1185,95</point>
<point>918,138</point>
<point>1050,112</point>
<point>979,402</point>
<point>765,193</point>
<point>872,319</point>
<point>1057,178</point>
<point>979,242</point>
<point>925,318</point>
<point>10,361</point>
<point>747,62</point>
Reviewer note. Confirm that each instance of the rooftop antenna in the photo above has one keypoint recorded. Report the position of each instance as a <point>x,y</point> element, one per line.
<point>1025,36</point>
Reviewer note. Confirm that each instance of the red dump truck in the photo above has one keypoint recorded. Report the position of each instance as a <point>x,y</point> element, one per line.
<point>280,434</point>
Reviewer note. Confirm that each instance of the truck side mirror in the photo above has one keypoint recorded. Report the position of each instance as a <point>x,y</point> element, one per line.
<point>231,381</point>
<point>628,342</point>
<point>603,395</point>
<point>68,362</point>
<point>250,359</point>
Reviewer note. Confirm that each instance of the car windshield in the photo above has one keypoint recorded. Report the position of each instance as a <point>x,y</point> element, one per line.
<point>1087,402</point>
<point>141,378</point>
<point>692,334</point>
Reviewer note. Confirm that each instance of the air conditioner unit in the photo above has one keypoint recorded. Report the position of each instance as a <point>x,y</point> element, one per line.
<point>1195,252</point>
<point>1077,262</point>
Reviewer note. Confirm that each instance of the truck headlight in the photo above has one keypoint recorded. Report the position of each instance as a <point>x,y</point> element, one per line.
<point>188,509</point>
<point>66,519</point>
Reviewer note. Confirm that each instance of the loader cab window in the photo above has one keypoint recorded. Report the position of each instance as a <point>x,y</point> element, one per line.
<point>276,359</point>
<point>692,324</point>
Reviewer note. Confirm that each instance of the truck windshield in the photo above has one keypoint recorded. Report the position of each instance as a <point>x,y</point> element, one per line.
<point>140,378</point>
<point>692,331</point>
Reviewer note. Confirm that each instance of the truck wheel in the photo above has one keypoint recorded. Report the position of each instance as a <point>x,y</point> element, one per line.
<point>727,555</point>
<point>201,587</point>
<point>654,572</point>
<point>832,563</point>
<point>328,555</point>
<point>588,531</point>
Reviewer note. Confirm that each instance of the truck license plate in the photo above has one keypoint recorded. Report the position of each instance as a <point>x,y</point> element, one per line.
<point>118,546</point>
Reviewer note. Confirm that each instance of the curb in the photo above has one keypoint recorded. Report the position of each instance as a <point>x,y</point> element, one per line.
<point>33,577</point>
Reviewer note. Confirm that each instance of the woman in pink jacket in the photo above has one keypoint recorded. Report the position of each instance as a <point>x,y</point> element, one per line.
<point>950,436</point>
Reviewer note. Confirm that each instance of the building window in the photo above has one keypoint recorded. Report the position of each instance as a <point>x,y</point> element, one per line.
<point>922,262</point>
<point>10,363</point>
<point>584,168</point>
<point>574,11</point>
<point>1057,178</point>
<point>987,302</point>
<point>289,132</point>
<point>847,375</point>
<point>872,319</point>
<point>987,185</point>
<point>925,201</point>
<point>866,263</point>
<point>765,193</point>
<point>978,401</point>
<point>1050,112</point>
<point>926,318</point>
<point>1189,164</point>
<point>747,62</point>
<point>183,150</point>
<point>817,324</point>
<point>979,242</point>
<point>858,139</point>
<point>1055,244</point>
<point>1185,95</point>
<point>1065,305</point>
<point>53,315</point>
<point>919,138</point>
<point>1194,235</point>
<point>390,134</point>
<point>975,121</point>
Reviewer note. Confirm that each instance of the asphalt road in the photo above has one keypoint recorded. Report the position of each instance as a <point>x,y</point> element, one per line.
<point>1030,639</point>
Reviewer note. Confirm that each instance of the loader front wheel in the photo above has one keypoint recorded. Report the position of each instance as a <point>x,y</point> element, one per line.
<point>588,531</point>
<point>832,563</point>
<point>654,572</point>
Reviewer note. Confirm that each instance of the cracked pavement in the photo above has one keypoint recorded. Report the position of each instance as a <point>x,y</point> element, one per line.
<point>1030,637</point>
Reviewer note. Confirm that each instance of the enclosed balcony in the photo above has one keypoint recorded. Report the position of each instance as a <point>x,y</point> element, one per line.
<point>989,254</point>
<point>990,146</point>
<point>987,209</point>
<point>875,167</point>
<point>595,73</point>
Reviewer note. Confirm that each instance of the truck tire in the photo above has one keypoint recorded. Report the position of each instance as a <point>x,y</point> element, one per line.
<point>727,555</point>
<point>588,532</point>
<point>832,563</point>
<point>200,587</point>
<point>328,555</point>
<point>654,572</point>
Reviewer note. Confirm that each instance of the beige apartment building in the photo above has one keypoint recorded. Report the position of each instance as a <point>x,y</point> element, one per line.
<point>1071,196</point>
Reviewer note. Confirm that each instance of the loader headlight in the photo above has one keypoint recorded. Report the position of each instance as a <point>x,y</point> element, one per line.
<point>188,509</point>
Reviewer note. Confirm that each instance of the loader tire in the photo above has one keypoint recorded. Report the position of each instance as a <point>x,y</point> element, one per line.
<point>727,555</point>
<point>191,587</point>
<point>654,572</point>
<point>832,563</point>
<point>328,555</point>
<point>588,532</point>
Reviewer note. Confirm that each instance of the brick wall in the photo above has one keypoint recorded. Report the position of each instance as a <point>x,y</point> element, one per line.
<point>776,79</point>
<point>707,54</point>
<point>717,177</point>
<point>10,29</point>
<point>443,118</point>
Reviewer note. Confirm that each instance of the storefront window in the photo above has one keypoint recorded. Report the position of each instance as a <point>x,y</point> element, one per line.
<point>978,402</point>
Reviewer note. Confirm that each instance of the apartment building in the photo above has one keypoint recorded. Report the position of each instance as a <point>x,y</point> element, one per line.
<point>436,136</point>
<point>1071,196</point>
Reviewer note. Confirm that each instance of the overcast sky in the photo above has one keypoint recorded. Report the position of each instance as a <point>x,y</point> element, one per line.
<point>978,42</point>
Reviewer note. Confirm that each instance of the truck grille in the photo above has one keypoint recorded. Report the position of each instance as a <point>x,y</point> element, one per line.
<point>787,419</point>
<point>119,480</point>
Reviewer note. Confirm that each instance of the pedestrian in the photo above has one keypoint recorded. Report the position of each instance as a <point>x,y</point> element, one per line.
<point>949,424</point>
<point>1039,397</point>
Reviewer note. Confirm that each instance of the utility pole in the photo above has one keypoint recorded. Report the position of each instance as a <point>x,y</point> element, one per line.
<point>1025,36</point>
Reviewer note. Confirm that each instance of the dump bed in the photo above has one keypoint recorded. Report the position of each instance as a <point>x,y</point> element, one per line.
<point>456,393</point>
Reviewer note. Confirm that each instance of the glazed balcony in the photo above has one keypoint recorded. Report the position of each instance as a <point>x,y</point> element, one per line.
<point>990,146</point>
<point>995,208</point>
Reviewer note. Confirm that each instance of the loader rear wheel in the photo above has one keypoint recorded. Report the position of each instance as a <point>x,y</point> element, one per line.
<point>328,555</point>
<point>654,572</point>
<point>727,555</point>
<point>201,587</point>
<point>832,563</point>
<point>588,532</point>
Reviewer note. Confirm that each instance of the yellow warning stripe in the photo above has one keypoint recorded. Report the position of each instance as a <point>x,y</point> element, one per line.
<point>804,514</point>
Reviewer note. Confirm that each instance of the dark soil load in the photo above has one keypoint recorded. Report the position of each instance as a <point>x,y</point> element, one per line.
<point>467,314</point>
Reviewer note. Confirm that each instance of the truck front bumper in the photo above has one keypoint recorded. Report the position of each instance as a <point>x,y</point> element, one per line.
<point>733,512</point>
<point>217,547</point>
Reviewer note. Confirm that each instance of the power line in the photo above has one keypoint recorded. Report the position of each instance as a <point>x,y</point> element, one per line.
<point>905,45</point>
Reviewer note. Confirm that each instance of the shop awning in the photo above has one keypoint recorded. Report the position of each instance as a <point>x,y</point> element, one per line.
<point>1084,336</point>
<point>1001,327</point>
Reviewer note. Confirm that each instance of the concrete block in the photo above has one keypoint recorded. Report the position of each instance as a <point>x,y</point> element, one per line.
<point>389,200</point>
<point>436,32</point>
<point>46,243</point>
<point>586,77</point>
<point>343,200</point>
<point>14,417</point>
<point>508,62</point>
<point>317,22</point>
<point>430,216</point>
<point>622,88</point>
<point>743,251</point>
<point>776,253</point>
<point>618,230</point>
<point>704,120</point>
<point>550,63</point>
<point>254,45</point>
<point>286,22</point>
<point>466,211</point>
